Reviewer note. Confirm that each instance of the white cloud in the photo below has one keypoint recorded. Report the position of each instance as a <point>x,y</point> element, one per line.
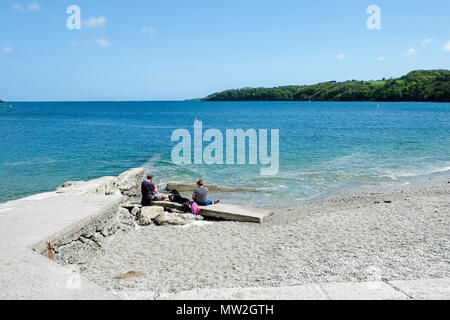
<point>103,42</point>
<point>95,22</point>
<point>150,31</point>
<point>381,59</point>
<point>427,41</point>
<point>74,43</point>
<point>447,46</point>
<point>33,6</point>
<point>410,52</point>
<point>340,56</point>
<point>18,7</point>
<point>7,50</point>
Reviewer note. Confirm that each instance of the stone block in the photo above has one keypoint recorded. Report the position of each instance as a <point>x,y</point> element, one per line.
<point>172,218</point>
<point>150,212</point>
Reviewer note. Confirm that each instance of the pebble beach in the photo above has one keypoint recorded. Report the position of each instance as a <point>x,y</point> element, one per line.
<point>375,233</point>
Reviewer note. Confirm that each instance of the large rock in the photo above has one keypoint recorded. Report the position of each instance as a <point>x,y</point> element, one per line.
<point>172,218</point>
<point>150,212</point>
<point>130,182</point>
<point>147,214</point>
<point>144,222</point>
<point>125,217</point>
<point>136,211</point>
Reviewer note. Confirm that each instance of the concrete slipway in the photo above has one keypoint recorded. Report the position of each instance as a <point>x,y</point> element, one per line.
<point>26,272</point>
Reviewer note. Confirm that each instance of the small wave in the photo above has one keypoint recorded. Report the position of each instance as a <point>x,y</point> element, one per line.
<point>152,161</point>
<point>445,169</point>
<point>355,158</point>
<point>414,173</point>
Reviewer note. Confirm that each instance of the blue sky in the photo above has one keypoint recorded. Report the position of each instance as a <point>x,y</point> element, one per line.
<point>169,50</point>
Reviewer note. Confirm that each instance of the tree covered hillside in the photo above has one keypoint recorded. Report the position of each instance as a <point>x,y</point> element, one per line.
<point>420,85</point>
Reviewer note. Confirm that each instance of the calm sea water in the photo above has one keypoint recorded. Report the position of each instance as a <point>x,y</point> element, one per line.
<point>323,145</point>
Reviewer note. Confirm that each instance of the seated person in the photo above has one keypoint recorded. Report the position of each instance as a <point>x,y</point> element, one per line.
<point>150,192</point>
<point>200,195</point>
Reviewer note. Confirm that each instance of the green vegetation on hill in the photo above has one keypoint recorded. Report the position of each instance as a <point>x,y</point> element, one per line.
<point>420,85</point>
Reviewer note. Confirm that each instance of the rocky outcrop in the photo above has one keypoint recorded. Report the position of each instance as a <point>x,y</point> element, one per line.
<point>147,214</point>
<point>145,222</point>
<point>127,183</point>
<point>172,218</point>
<point>101,186</point>
<point>125,218</point>
<point>150,213</point>
<point>135,211</point>
<point>83,240</point>
<point>130,182</point>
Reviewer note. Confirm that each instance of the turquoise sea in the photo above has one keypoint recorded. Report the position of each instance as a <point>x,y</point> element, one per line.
<point>324,146</point>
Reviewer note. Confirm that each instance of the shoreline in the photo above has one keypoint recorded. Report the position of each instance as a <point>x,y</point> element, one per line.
<point>376,235</point>
<point>379,234</point>
<point>348,187</point>
<point>394,184</point>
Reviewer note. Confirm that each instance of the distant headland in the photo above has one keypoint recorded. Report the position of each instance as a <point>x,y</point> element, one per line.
<point>419,85</point>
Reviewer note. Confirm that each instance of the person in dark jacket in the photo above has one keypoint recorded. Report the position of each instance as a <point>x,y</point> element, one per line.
<point>150,192</point>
